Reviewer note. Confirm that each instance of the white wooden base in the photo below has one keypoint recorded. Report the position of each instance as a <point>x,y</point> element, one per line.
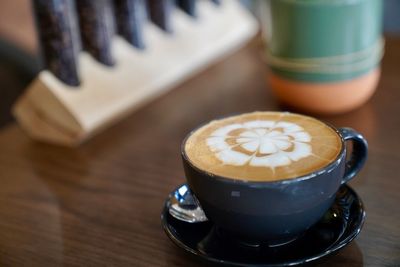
<point>51,111</point>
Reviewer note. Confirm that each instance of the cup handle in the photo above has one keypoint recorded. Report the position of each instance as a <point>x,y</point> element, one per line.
<point>358,155</point>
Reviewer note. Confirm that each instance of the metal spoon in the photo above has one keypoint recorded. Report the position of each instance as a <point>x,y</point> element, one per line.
<point>183,206</point>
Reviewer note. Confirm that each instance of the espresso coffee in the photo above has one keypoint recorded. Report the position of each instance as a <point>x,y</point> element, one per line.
<point>263,146</point>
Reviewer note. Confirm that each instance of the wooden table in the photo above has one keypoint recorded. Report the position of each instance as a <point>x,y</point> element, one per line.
<point>99,204</point>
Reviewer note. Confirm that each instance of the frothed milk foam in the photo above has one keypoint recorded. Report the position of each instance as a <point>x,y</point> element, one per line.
<point>263,146</point>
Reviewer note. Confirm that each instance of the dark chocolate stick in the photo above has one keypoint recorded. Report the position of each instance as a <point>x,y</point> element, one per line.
<point>96,24</point>
<point>54,20</point>
<point>130,16</point>
<point>160,13</point>
<point>189,6</point>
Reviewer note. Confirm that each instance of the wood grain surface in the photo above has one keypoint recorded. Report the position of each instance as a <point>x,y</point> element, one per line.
<point>100,204</point>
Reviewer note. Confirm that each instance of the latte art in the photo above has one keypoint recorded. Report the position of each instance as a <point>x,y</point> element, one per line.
<point>263,146</point>
<point>260,143</point>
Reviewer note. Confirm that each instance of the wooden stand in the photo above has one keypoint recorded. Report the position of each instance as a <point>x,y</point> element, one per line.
<point>54,112</point>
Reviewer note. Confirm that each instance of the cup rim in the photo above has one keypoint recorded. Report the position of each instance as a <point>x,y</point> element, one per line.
<point>327,168</point>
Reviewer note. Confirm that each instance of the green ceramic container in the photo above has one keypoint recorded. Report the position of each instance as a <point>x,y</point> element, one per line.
<point>324,40</point>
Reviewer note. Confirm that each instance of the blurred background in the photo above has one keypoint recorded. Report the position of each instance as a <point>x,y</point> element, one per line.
<point>19,60</point>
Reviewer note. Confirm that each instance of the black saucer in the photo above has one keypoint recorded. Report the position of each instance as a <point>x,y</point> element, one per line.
<point>339,226</point>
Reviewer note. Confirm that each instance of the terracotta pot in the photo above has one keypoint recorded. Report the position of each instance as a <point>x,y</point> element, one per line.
<point>325,97</point>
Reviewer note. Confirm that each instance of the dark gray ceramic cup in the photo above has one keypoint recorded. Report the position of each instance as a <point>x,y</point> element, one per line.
<point>277,210</point>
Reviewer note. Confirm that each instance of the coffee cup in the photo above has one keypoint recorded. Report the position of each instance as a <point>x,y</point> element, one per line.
<point>269,176</point>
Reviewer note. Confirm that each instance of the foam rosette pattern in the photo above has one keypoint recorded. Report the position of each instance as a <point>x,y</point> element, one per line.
<point>260,143</point>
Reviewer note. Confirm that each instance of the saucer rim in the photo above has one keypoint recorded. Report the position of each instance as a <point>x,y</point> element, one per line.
<point>334,247</point>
